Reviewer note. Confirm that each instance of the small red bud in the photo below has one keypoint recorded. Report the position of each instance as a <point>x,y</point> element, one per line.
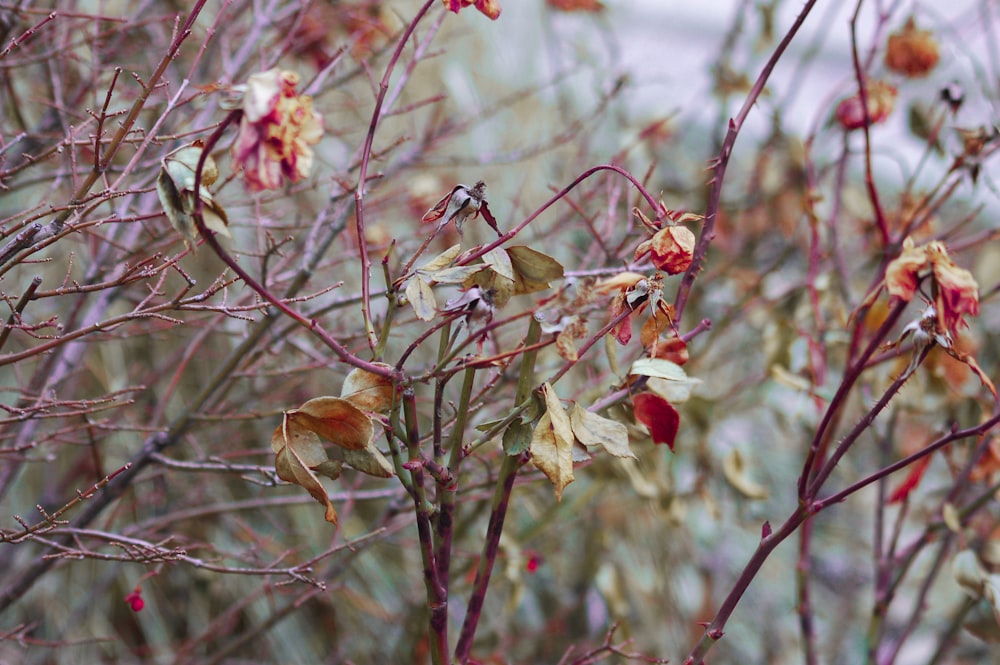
<point>765,530</point>
<point>135,600</point>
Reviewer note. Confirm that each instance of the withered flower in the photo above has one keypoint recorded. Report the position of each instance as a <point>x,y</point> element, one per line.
<point>850,113</point>
<point>911,52</point>
<point>954,289</point>
<point>276,130</point>
<point>490,8</point>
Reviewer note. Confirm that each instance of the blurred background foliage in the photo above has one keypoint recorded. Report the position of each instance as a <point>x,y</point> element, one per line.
<point>128,329</point>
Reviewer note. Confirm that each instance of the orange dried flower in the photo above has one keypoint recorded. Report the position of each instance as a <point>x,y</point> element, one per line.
<point>912,52</point>
<point>672,249</point>
<point>850,113</point>
<point>276,130</point>
<point>955,290</point>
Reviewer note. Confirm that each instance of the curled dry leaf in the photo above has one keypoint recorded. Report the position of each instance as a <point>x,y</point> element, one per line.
<point>368,391</point>
<point>369,460</point>
<point>592,430</point>
<point>551,446</point>
<point>299,456</point>
<point>299,451</point>
<point>735,471</point>
<point>336,420</point>
<point>175,189</point>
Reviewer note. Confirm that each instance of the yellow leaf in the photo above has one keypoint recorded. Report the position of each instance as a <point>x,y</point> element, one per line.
<point>551,446</point>
<point>442,260</point>
<point>533,270</point>
<point>591,429</point>
<point>421,297</point>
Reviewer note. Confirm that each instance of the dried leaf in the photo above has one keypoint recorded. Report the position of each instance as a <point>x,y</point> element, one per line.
<point>368,391</point>
<point>175,189</point>
<point>369,460</point>
<point>675,392</point>
<point>455,274</point>
<point>658,367</point>
<point>442,260</point>
<point>421,297</point>
<point>552,443</point>
<point>951,518</point>
<point>499,260</point>
<point>659,417</point>
<point>533,270</point>
<point>336,420</point>
<point>552,454</point>
<point>591,430</point>
<point>734,469</point>
<point>298,453</point>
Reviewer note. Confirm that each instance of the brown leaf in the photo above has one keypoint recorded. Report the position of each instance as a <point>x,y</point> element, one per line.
<point>370,460</point>
<point>298,453</point>
<point>368,391</point>
<point>336,420</point>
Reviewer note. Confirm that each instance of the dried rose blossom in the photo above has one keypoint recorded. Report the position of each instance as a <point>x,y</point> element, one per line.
<point>911,52</point>
<point>276,130</point>
<point>881,96</point>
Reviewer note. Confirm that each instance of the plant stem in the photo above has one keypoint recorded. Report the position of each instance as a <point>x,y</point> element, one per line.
<point>501,501</point>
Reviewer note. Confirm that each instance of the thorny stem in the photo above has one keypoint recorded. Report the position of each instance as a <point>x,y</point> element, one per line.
<point>722,162</point>
<point>359,194</point>
<point>437,595</point>
<point>309,324</point>
<point>448,493</point>
<point>501,501</point>
<point>817,447</point>
<point>805,509</point>
<point>653,203</point>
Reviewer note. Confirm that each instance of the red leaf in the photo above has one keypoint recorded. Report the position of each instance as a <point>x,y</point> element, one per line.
<point>912,479</point>
<point>659,417</point>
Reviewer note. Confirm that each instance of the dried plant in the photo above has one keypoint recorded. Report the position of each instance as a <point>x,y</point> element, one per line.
<point>529,398</point>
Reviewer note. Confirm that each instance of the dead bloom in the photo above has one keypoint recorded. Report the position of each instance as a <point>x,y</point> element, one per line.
<point>954,289</point>
<point>490,8</point>
<point>672,249</point>
<point>881,97</point>
<point>911,52</point>
<point>276,130</point>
